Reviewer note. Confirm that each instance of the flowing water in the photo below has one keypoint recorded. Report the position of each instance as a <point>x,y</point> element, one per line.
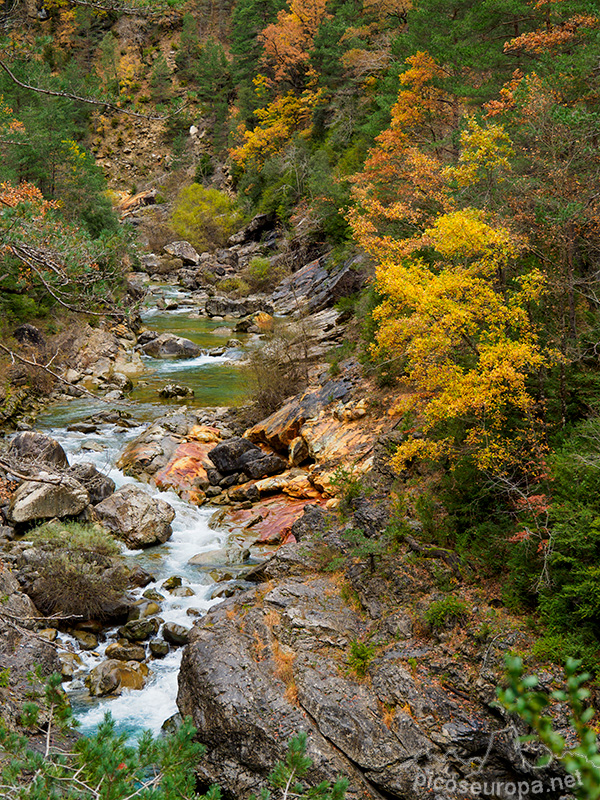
<point>216,382</point>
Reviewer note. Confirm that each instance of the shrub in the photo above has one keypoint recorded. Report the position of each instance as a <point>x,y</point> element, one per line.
<point>234,286</point>
<point>360,657</point>
<point>279,369</point>
<point>74,536</point>
<point>204,217</point>
<point>262,274</point>
<point>446,612</point>
<point>77,584</point>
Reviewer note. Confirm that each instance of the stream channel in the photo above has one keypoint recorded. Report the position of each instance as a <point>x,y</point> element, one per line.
<point>216,381</point>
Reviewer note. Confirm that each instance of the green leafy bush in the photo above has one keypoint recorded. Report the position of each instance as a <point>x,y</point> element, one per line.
<point>446,612</point>
<point>204,217</point>
<point>360,656</point>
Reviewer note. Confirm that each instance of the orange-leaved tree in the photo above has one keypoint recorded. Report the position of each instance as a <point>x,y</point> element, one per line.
<point>287,42</point>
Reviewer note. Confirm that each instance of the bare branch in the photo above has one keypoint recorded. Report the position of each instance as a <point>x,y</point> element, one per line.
<point>89,100</point>
<point>58,377</point>
<point>18,251</point>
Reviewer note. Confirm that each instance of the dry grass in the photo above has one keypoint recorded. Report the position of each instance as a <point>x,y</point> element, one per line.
<point>388,713</point>
<point>284,658</point>
<point>272,618</point>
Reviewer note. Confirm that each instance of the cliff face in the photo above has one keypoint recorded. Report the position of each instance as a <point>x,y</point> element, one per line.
<point>347,657</point>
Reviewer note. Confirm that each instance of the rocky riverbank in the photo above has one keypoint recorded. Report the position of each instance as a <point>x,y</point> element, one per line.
<point>335,619</point>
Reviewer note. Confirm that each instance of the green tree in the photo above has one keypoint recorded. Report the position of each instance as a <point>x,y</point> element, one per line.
<point>160,80</point>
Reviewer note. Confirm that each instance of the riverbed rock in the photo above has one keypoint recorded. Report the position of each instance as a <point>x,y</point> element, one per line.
<point>135,517</point>
<point>170,390</point>
<point>97,485</point>
<point>172,582</point>
<point>70,663</point>
<point>233,454</point>
<point>35,448</point>
<point>175,634</point>
<point>111,677</point>
<point>137,630</point>
<point>187,470</point>
<point>138,576</point>
<point>58,496</point>
<point>167,345</point>
<point>87,640</point>
<point>159,648</point>
<point>125,652</point>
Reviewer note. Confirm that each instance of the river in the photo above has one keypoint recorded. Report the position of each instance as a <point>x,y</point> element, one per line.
<point>216,381</point>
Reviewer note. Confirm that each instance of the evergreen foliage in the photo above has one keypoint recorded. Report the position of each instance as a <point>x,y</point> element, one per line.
<point>107,766</point>
<point>581,759</point>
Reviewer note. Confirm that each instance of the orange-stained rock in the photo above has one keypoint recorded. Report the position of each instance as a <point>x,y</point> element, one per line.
<point>301,487</point>
<point>280,428</point>
<point>328,439</point>
<point>293,482</point>
<point>138,456</point>
<point>204,433</point>
<point>186,471</point>
<point>194,496</point>
<point>272,518</point>
<point>263,321</point>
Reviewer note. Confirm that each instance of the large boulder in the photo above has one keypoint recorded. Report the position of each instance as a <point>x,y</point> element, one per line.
<point>32,447</point>
<point>229,455</point>
<point>175,390</point>
<point>227,307</point>
<point>184,251</point>
<point>252,231</point>
<point>113,676</point>
<point>167,345</point>
<point>50,496</point>
<point>135,517</point>
<point>266,672</point>
<point>282,427</point>
<point>98,485</point>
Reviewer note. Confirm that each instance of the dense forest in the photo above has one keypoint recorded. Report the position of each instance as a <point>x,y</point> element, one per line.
<point>455,143</point>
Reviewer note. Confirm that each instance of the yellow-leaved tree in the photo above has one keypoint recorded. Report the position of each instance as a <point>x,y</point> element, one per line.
<point>467,339</point>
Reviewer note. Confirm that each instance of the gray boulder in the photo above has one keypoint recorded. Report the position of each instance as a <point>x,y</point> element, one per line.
<point>135,517</point>
<point>37,448</point>
<point>175,390</point>
<point>167,345</point>
<point>98,486</point>
<point>233,454</point>
<point>175,634</point>
<point>184,251</point>
<point>137,630</point>
<point>57,496</point>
